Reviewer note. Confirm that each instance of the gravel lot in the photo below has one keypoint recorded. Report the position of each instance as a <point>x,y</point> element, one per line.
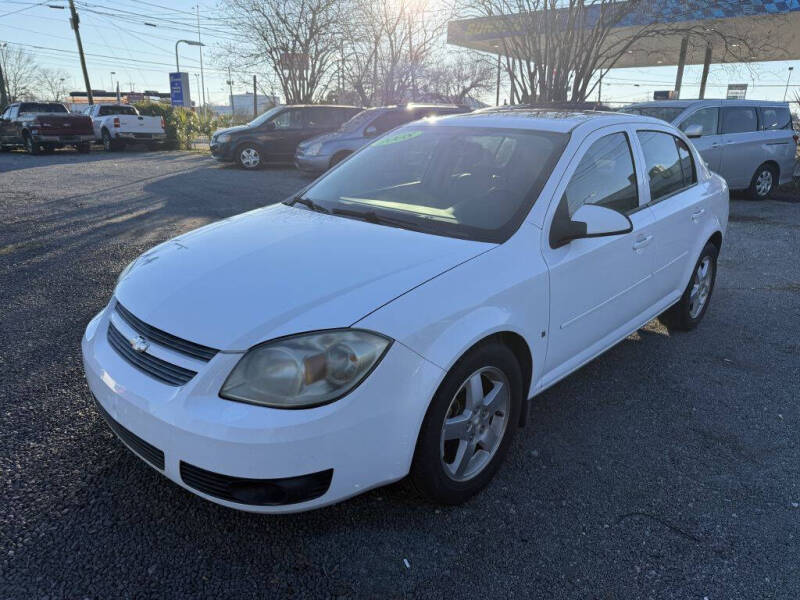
<point>667,468</point>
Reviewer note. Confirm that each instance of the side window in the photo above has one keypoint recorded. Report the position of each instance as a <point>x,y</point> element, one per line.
<point>321,117</point>
<point>605,176</point>
<point>390,120</point>
<point>665,170</point>
<point>740,119</point>
<point>775,118</point>
<point>707,118</point>
<point>290,119</point>
<point>687,163</point>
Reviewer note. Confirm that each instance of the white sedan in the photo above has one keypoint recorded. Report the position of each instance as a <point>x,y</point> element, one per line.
<point>395,317</point>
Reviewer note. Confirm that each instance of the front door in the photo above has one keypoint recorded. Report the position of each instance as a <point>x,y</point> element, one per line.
<point>284,132</point>
<point>598,286</point>
<point>709,144</point>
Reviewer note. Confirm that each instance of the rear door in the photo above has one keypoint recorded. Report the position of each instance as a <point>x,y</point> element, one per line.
<point>742,150</point>
<point>598,286</point>
<point>778,138</point>
<point>710,143</point>
<point>678,204</point>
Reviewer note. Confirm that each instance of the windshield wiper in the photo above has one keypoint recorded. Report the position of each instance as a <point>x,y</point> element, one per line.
<point>308,203</point>
<point>370,216</point>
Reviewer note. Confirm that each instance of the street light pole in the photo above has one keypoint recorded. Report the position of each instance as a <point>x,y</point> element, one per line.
<point>788,79</point>
<point>190,43</point>
<point>202,78</point>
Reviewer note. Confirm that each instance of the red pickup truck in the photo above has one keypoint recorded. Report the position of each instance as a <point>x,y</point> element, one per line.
<point>43,127</point>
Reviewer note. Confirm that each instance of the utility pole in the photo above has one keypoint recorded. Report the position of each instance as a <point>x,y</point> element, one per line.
<point>202,78</point>
<point>230,88</point>
<point>3,95</point>
<point>681,65</point>
<point>255,98</point>
<point>75,21</point>
<point>497,99</point>
<point>411,60</point>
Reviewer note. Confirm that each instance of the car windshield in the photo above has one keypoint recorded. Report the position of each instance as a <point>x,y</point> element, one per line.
<point>665,113</point>
<point>466,182</point>
<point>42,107</point>
<point>360,119</point>
<point>264,117</point>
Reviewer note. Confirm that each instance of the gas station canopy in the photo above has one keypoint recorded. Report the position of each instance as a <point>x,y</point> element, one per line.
<point>772,27</point>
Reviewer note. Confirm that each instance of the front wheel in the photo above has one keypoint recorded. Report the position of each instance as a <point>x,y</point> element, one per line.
<point>690,309</point>
<point>84,148</point>
<point>764,181</point>
<point>248,156</point>
<point>469,425</point>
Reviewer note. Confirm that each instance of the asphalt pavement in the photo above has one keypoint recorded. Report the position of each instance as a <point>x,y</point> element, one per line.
<point>667,468</point>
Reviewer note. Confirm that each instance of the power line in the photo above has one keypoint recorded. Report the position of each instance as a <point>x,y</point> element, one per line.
<point>13,12</point>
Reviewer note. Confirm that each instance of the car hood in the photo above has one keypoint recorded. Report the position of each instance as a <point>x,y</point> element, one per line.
<point>280,270</point>
<point>219,132</point>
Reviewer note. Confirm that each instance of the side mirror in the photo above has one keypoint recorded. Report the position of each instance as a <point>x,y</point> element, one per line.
<point>589,221</point>
<point>694,131</point>
<point>270,126</point>
<point>371,131</point>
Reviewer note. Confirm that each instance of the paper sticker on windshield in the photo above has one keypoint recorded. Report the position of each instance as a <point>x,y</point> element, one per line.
<point>397,137</point>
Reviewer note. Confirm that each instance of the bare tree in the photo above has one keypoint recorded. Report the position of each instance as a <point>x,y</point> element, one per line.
<point>558,50</point>
<point>294,40</point>
<point>52,84</point>
<point>20,72</point>
<point>458,79</point>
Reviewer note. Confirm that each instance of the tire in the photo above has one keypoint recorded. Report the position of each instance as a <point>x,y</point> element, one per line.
<point>84,148</point>
<point>451,471</point>
<point>47,149</point>
<point>686,315</point>
<point>108,143</point>
<point>337,158</point>
<point>248,156</point>
<point>31,146</point>
<point>5,148</point>
<point>764,182</point>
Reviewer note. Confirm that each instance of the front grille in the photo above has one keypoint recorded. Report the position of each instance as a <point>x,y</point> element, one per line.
<point>147,451</point>
<point>153,366</point>
<point>166,339</point>
<point>257,492</point>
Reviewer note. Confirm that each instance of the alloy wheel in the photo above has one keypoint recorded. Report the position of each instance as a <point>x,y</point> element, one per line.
<point>475,423</point>
<point>249,158</point>
<point>701,287</point>
<point>764,183</point>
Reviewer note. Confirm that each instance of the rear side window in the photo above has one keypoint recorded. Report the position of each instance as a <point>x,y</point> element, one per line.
<point>326,117</point>
<point>707,118</point>
<point>670,166</point>
<point>740,119</point>
<point>391,119</point>
<point>775,118</point>
<point>605,176</point>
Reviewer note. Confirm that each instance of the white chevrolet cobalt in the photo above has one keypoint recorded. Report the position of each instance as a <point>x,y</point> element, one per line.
<point>395,317</point>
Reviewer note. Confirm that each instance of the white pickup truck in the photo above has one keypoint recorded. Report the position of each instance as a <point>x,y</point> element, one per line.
<point>117,124</point>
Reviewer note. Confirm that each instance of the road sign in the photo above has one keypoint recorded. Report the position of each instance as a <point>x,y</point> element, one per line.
<point>179,89</point>
<point>736,91</point>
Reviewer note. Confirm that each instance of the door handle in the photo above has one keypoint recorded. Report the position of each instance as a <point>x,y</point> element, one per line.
<point>642,241</point>
<point>697,214</point>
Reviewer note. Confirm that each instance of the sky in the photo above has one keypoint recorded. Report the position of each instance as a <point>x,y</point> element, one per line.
<point>116,39</point>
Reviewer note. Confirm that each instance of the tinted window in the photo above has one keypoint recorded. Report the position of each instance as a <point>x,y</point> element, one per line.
<point>739,119</point>
<point>664,167</point>
<point>42,107</point>
<point>290,119</point>
<point>326,117</point>
<point>605,176</point>
<point>776,118</point>
<point>116,110</point>
<point>707,118</point>
<point>665,113</point>
<point>391,119</point>
<point>472,183</point>
<point>687,163</point>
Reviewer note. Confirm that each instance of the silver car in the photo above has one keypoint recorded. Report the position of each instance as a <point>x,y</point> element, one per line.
<point>751,143</point>
<point>322,152</point>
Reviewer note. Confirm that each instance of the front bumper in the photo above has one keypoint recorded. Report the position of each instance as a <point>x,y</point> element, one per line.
<point>312,164</point>
<point>63,138</point>
<point>366,439</point>
<point>222,151</point>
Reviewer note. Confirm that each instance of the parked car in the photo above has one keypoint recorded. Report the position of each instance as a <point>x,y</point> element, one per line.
<point>395,316</point>
<point>322,152</point>
<point>273,136</point>
<point>751,143</point>
<point>115,125</point>
<point>42,127</point>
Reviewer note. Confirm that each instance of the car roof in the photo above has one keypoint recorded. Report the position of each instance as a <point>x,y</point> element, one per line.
<point>319,105</point>
<point>709,101</point>
<point>558,121</point>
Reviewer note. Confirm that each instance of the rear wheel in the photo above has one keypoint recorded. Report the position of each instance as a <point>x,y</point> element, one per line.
<point>84,148</point>
<point>109,145</point>
<point>764,181</point>
<point>31,146</point>
<point>248,156</point>
<point>469,425</point>
<point>690,309</point>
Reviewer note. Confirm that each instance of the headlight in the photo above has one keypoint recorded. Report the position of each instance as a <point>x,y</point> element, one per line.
<point>305,370</point>
<point>314,149</point>
<point>223,137</point>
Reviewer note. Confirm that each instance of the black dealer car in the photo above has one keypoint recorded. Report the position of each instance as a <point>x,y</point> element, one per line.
<point>273,136</point>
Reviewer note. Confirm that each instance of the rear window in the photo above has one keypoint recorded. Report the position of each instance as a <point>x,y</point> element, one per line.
<point>777,117</point>
<point>117,110</point>
<point>665,113</point>
<point>42,107</point>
